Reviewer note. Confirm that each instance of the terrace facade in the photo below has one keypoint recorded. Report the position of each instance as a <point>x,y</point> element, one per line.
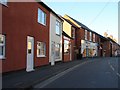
<point>69,41</point>
<point>24,40</point>
<point>86,39</point>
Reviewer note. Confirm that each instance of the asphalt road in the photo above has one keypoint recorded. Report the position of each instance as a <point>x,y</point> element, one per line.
<point>96,73</point>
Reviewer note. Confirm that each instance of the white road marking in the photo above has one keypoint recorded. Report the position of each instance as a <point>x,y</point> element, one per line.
<point>112,67</point>
<point>118,74</point>
<point>109,63</point>
<point>50,80</point>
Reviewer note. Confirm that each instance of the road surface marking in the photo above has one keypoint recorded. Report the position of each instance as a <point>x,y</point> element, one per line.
<point>118,74</point>
<point>112,67</point>
<point>50,80</point>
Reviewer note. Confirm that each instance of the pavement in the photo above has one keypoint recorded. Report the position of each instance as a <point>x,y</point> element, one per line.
<point>23,79</point>
<point>28,80</point>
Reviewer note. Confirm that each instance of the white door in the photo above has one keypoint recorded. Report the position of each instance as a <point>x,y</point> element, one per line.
<point>30,55</point>
<point>53,53</point>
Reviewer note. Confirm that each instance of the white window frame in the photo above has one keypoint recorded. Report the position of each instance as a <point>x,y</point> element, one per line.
<point>90,36</point>
<point>94,37</point>
<point>4,2</point>
<point>41,17</point>
<point>2,45</point>
<point>57,25</point>
<point>85,34</point>
<point>39,47</point>
<point>56,47</point>
<point>68,47</point>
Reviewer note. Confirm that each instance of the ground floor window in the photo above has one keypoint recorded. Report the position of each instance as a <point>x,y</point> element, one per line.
<point>66,47</point>
<point>57,51</point>
<point>41,49</point>
<point>2,46</point>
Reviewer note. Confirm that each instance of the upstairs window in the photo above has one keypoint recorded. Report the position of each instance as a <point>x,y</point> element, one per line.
<point>41,17</point>
<point>57,27</point>
<point>90,36</point>
<point>4,2</point>
<point>85,34</point>
<point>2,46</point>
<point>73,32</point>
<point>93,37</point>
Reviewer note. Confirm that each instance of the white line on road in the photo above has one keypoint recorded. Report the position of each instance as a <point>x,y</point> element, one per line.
<point>112,67</point>
<point>50,80</point>
<point>118,74</point>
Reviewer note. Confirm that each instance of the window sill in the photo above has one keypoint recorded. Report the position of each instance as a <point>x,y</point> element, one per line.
<point>42,56</point>
<point>66,53</point>
<point>57,35</point>
<point>57,58</point>
<point>42,24</point>
<point>2,58</point>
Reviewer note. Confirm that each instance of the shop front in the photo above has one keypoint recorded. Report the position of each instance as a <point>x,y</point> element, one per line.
<point>89,49</point>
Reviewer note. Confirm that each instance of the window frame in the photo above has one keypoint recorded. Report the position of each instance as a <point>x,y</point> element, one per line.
<point>90,36</point>
<point>85,34</point>
<point>94,37</point>
<point>3,45</point>
<point>39,48</point>
<point>57,44</point>
<point>41,17</point>
<point>59,26</point>
<point>65,53</point>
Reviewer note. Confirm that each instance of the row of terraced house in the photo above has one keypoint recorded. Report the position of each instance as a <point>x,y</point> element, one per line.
<point>33,35</point>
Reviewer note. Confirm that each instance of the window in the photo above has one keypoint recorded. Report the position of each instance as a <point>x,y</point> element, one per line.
<point>85,34</point>
<point>90,36</point>
<point>57,51</point>
<point>4,2</point>
<point>66,47</point>
<point>57,27</point>
<point>73,32</point>
<point>41,17</point>
<point>2,46</point>
<point>93,37</point>
<point>41,49</point>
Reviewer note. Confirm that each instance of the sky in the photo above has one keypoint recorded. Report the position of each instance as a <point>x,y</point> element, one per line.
<point>100,16</point>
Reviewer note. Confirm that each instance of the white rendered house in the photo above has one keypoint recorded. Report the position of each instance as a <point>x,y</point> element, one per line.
<point>55,37</point>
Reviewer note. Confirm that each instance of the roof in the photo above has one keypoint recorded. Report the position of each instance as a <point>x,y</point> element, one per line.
<point>111,39</point>
<point>65,34</point>
<point>82,25</point>
<point>85,27</point>
<point>48,8</point>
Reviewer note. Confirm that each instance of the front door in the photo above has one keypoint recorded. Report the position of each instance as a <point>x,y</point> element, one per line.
<point>30,55</point>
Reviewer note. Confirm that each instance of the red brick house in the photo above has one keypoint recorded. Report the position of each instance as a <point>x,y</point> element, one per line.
<point>69,41</point>
<point>24,40</point>
<point>86,39</point>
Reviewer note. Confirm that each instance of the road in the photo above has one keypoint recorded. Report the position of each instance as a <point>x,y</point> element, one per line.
<point>96,73</point>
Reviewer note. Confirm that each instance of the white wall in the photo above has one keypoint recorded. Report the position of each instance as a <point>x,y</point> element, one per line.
<point>53,37</point>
